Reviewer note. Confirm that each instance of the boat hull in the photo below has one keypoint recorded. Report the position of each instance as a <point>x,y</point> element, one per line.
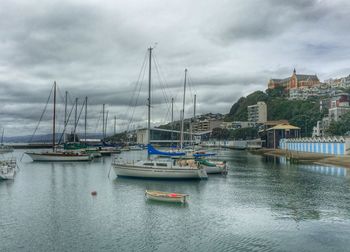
<point>164,198</point>
<point>39,157</point>
<point>8,176</point>
<point>7,169</point>
<point>214,169</point>
<point>156,173</point>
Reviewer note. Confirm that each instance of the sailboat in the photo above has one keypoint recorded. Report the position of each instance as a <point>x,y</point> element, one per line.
<point>158,168</point>
<point>55,155</point>
<point>8,169</point>
<point>4,148</point>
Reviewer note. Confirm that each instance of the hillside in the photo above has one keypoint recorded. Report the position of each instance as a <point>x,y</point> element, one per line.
<point>303,114</point>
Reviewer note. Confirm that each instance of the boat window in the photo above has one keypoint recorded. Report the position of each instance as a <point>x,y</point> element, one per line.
<point>150,164</point>
<point>162,164</point>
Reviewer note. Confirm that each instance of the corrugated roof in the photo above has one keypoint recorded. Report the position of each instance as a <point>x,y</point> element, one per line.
<point>283,127</point>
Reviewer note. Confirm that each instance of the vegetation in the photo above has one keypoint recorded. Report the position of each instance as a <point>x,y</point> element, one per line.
<point>341,127</point>
<point>244,134</point>
<point>301,113</point>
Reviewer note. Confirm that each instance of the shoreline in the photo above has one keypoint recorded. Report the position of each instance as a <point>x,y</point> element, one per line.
<point>306,157</point>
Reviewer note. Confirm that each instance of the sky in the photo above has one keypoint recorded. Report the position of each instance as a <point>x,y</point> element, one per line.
<point>98,49</point>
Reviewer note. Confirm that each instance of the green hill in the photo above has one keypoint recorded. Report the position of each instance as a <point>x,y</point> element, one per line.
<point>303,114</point>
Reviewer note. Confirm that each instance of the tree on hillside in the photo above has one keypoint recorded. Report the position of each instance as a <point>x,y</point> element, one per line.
<point>238,111</point>
<point>341,127</point>
<point>220,134</point>
<point>244,134</point>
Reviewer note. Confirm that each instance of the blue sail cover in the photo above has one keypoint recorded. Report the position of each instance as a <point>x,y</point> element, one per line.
<point>198,155</point>
<point>153,151</point>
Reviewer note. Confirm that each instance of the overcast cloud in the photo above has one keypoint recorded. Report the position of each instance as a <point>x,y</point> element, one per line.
<point>97,49</point>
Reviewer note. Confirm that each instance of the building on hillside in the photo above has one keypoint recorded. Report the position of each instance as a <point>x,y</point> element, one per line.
<point>238,125</point>
<point>257,113</point>
<point>206,125</point>
<point>343,82</point>
<point>295,81</point>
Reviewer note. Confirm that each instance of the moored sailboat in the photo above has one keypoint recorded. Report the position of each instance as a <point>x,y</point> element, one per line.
<point>157,169</point>
<point>8,169</point>
<point>55,155</point>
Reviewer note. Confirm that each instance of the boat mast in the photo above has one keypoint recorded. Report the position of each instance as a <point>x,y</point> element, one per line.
<point>183,113</point>
<point>103,120</point>
<point>65,116</point>
<point>54,117</point>
<point>115,125</point>
<point>75,118</point>
<point>172,119</point>
<point>106,124</point>
<point>149,97</point>
<point>2,136</point>
<point>86,99</point>
<point>194,118</point>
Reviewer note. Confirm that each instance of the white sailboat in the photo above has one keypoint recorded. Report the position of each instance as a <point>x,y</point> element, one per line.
<point>55,155</point>
<point>8,169</point>
<point>4,148</point>
<point>158,169</point>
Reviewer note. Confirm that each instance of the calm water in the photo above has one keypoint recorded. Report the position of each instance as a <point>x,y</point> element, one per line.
<point>262,205</point>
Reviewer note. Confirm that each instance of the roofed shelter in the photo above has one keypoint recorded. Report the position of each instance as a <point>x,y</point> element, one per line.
<point>280,131</point>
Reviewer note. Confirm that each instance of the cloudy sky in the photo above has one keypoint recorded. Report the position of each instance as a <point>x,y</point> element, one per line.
<point>97,49</point>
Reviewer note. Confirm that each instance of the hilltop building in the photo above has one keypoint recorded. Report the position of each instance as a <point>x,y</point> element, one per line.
<point>295,81</point>
<point>206,125</point>
<point>257,113</point>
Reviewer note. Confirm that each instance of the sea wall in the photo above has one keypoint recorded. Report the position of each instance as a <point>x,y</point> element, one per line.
<point>234,144</point>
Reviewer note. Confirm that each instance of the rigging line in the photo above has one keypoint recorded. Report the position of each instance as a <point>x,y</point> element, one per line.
<point>137,83</point>
<point>162,80</point>
<point>41,117</point>
<point>98,120</point>
<point>77,123</point>
<point>162,87</point>
<point>65,126</point>
<point>161,72</point>
<point>136,101</point>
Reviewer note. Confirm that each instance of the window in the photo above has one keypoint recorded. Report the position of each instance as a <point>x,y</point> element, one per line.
<point>149,164</point>
<point>161,164</point>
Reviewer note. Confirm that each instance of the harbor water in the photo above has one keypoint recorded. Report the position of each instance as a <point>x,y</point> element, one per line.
<point>263,204</point>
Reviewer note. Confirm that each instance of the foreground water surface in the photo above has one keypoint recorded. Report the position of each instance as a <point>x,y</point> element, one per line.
<point>261,205</point>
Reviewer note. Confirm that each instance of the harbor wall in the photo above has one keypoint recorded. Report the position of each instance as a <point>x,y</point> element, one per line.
<point>234,144</point>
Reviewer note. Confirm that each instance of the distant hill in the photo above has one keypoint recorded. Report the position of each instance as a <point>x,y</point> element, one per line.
<point>44,138</point>
<point>303,114</point>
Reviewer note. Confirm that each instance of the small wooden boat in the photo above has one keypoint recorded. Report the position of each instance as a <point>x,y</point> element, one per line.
<point>166,196</point>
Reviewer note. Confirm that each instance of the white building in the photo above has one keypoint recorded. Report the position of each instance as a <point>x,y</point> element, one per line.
<point>238,125</point>
<point>257,113</point>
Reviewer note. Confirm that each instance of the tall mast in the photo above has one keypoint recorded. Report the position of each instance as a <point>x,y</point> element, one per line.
<point>2,136</point>
<point>115,125</point>
<point>86,99</point>
<point>194,117</point>
<point>75,118</point>
<point>149,95</point>
<point>54,117</point>
<point>172,119</point>
<point>65,115</point>
<point>103,121</point>
<point>106,124</point>
<point>183,113</point>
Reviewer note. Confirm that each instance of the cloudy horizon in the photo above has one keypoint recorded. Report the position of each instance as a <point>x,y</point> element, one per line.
<point>97,49</point>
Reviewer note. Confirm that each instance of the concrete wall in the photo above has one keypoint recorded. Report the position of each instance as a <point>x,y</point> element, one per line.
<point>239,144</point>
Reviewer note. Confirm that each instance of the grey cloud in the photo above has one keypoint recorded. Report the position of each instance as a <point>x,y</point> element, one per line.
<point>91,49</point>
